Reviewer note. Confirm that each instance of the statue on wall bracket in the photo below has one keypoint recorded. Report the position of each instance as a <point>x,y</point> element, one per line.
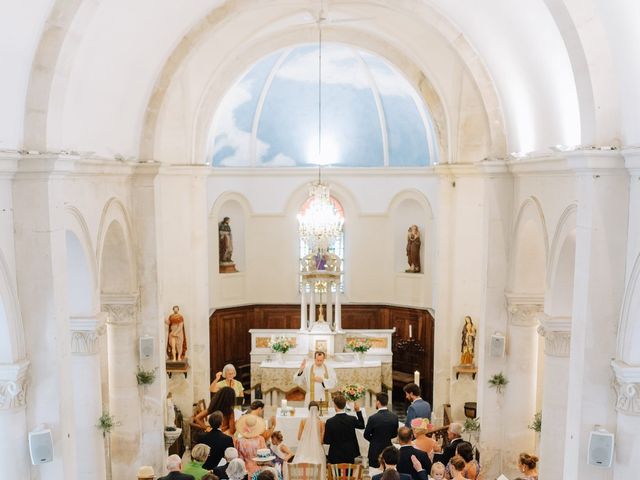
<point>225,247</point>
<point>413,249</point>
<point>468,342</point>
<point>176,343</point>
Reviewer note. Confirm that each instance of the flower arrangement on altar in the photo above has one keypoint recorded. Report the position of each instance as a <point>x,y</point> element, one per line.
<point>281,344</point>
<point>353,392</point>
<point>359,345</point>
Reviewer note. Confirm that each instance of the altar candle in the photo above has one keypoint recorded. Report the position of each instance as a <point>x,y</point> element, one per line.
<point>416,377</point>
<point>410,331</point>
<point>283,404</point>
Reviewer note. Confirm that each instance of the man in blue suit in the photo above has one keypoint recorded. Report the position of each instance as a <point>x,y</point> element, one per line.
<point>419,408</point>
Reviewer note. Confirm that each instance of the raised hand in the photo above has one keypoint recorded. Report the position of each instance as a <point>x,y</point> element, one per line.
<point>303,364</point>
<point>218,376</point>
<point>356,406</point>
<point>417,466</point>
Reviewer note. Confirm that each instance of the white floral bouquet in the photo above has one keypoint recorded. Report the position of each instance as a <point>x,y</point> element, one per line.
<point>359,345</point>
<point>281,344</point>
<point>353,392</point>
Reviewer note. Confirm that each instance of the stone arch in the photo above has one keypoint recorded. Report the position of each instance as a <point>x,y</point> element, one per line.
<point>82,284</point>
<point>115,243</point>
<point>530,250</point>
<point>12,347</point>
<point>561,268</point>
<point>628,349</point>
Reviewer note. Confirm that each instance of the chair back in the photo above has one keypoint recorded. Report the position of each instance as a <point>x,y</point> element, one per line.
<point>344,471</point>
<point>301,471</point>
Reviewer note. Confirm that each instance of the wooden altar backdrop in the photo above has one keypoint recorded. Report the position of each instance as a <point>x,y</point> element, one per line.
<point>230,341</point>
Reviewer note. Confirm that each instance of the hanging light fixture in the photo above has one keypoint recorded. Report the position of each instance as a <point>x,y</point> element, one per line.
<point>321,222</point>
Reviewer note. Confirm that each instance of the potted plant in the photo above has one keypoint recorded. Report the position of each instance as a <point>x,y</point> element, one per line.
<point>145,377</point>
<point>360,346</point>
<point>472,428</point>
<point>498,381</point>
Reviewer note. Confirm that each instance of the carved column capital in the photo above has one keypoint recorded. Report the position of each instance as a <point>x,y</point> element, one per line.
<point>84,335</point>
<point>120,309</point>
<point>524,309</point>
<point>557,334</point>
<point>13,385</point>
<point>627,387</point>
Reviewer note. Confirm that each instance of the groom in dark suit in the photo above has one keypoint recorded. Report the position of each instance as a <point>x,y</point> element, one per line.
<point>382,426</point>
<point>340,433</point>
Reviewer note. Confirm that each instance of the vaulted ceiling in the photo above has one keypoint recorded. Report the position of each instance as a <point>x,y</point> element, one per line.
<point>142,78</point>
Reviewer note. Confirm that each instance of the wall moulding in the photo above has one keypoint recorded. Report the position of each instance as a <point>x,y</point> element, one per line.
<point>627,387</point>
<point>84,335</point>
<point>557,334</point>
<point>120,309</point>
<point>13,385</point>
<point>524,310</point>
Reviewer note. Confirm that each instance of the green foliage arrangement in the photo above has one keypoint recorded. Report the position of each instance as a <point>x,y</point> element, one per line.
<point>536,423</point>
<point>106,423</point>
<point>498,381</point>
<point>472,425</point>
<point>145,377</point>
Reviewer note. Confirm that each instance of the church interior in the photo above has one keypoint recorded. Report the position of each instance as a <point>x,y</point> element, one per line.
<point>439,192</point>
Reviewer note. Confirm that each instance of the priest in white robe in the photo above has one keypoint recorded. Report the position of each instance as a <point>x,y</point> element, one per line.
<point>316,379</point>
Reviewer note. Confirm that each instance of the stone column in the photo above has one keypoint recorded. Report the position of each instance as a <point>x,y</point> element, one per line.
<point>329,305</point>
<point>14,456</point>
<point>627,447</point>
<point>124,398</point>
<point>304,325</point>
<point>338,317</point>
<point>556,332</point>
<point>87,397</point>
<point>522,367</point>
<point>312,306</point>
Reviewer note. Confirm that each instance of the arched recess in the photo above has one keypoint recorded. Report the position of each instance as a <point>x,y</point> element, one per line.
<point>12,346</point>
<point>560,273</point>
<point>235,206</point>
<point>82,284</point>
<point>530,250</point>
<point>628,349</point>
<point>115,250</point>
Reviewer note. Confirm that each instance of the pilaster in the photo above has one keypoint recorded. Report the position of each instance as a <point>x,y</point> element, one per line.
<point>13,385</point>
<point>626,384</point>
<point>556,332</point>
<point>13,420</point>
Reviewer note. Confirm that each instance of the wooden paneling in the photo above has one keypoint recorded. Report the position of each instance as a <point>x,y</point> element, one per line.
<point>230,341</point>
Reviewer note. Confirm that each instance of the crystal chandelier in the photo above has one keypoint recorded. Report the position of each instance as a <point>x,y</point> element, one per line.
<point>321,222</point>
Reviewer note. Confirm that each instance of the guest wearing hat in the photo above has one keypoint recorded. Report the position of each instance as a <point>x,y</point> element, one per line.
<point>250,429</point>
<point>146,473</point>
<point>264,460</point>
<point>420,428</point>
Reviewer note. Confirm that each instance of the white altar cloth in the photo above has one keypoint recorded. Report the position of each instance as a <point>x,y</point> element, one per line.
<point>289,425</point>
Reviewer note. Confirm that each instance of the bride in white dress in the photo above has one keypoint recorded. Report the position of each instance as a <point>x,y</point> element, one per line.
<point>310,433</point>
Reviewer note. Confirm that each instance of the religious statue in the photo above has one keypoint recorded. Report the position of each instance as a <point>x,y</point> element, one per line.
<point>177,339</point>
<point>317,379</point>
<point>171,412</point>
<point>468,341</point>
<point>225,247</point>
<point>413,249</point>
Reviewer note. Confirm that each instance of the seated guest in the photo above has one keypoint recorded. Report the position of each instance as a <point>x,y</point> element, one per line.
<point>456,467</point>
<point>174,465</point>
<point>223,401</point>
<point>199,454</point>
<point>391,475</point>
<point>236,470</point>
<point>146,473</point>
<point>221,471</point>
<point>437,471</point>
<point>388,462</point>
<point>419,408</point>
<point>250,440</point>
<point>279,449</point>
<point>264,461</point>
<point>420,428</point>
<point>217,441</point>
<point>528,465</point>
<point>407,450</point>
<point>257,408</point>
<point>210,476</point>
<point>266,475</point>
<point>471,467</point>
<point>228,375</point>
<point>453,433</point>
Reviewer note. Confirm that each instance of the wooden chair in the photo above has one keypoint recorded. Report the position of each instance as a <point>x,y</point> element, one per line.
<point>301,471</point>
<point>344,471</point>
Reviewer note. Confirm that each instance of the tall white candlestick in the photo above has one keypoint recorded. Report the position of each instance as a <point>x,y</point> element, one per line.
<point>283,403</point>
<point>416,377</point>
<point>410,331</point>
